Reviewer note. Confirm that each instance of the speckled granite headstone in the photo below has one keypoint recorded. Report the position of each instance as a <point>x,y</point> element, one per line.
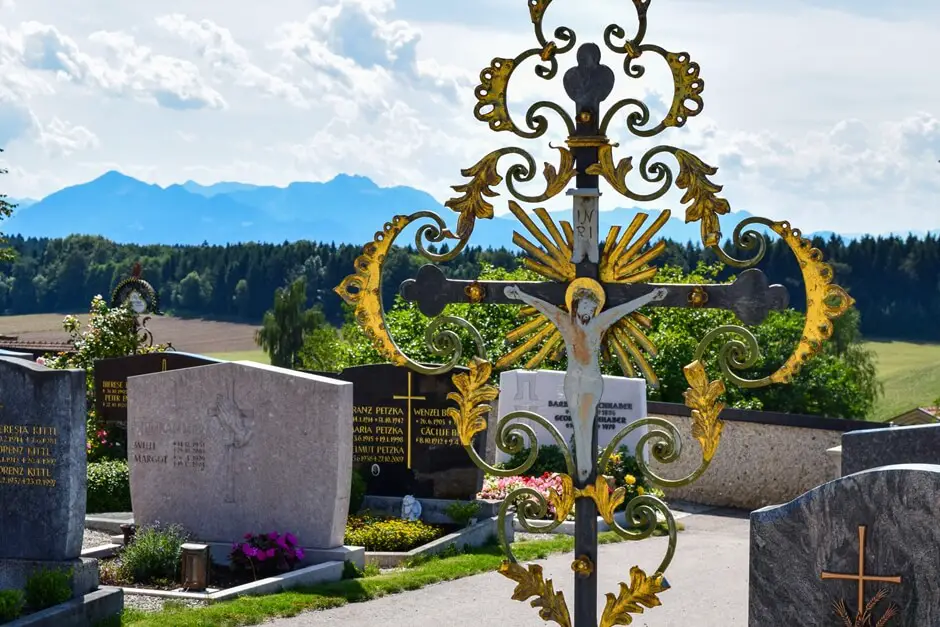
<point>42,461</point>
<point>239,447</point>
<point>792,546</point>
<point>872,448</point>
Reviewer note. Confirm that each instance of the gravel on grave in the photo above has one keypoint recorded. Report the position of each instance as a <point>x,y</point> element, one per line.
<point>155,604</point>
<point>94,538</point>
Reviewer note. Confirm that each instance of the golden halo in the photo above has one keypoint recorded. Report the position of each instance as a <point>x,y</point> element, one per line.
<point>588,285</point>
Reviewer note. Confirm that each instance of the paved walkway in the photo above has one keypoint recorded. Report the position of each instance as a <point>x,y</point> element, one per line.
<point>708,578</point>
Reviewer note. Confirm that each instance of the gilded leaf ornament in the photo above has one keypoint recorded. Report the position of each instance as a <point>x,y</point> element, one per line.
<point>532,584</point>
<point>562,501</point>
<point>640,594</point>
<point>706,205</point>
<point>473,397</point>
<point>614,174</point>
<point>702,398</point>
<point>607,501</point>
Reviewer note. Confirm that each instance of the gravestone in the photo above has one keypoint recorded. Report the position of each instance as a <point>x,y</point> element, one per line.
<point>862,450</point>
<point>404,441</point>
<point>18,354</point>
<point>842,543</point>
<point>239,447</point>
<point>111,378</point>
<point>42,474</point>
<point>542,392</point>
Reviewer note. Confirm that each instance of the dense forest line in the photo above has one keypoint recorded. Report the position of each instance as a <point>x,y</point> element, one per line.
<point>895,281</point>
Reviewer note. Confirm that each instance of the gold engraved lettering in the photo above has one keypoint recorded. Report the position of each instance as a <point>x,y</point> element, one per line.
<point>32,462</point>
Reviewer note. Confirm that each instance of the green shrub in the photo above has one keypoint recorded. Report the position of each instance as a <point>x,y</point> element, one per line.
<point>154,555</point>
<point>357,492</point>
<point>550,460</point>
<point>389,534</point>
<point>109,487</point>
<point>46,588</point>
<point>11,605</point>
<point>351,571</point>
<point>462,512</point>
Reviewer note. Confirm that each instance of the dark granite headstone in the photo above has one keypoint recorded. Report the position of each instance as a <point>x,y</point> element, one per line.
<point>18,354</point>
<point>403,440</point>
<point>111,378</point>
<point>888,515</point>
<point>862,450</point>
<point>42,461</point>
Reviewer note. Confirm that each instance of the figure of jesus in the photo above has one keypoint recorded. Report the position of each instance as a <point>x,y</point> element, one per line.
<point>582,328</point>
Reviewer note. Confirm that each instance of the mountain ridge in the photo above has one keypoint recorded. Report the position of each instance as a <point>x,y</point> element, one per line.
<point>347,209</point>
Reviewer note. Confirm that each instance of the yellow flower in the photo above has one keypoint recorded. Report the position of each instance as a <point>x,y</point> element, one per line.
<point>630,480</point>
<point>640,491</point>
<point>615,458</point>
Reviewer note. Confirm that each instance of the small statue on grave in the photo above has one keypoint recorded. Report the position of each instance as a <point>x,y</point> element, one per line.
<point>410,508</point>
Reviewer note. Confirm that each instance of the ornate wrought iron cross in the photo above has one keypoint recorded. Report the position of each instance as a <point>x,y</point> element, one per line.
<point>588,305</point>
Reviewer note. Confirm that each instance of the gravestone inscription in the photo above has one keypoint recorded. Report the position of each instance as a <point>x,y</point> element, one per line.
<point>240,447</point>
<point>404,441</point>
<point>868,539</point>
<point>542,392</point>
<point>111,378</point>
<point>42,461</point>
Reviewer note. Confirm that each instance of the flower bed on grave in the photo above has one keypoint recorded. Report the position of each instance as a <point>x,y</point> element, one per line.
<point>388,534</point>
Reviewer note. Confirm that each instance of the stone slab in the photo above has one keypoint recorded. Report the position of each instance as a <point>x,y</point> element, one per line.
<point>240,447</point>
<point>91,609</point>
<point>108,523</point>
<point>42,461</point>
<point>793,544</point>
<point>862,450</point>
<point>432,510</point>
<point>542,392</point>
<point>15,573</point>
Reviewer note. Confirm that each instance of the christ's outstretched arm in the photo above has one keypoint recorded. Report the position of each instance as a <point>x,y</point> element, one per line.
<point>610,317</point>
<point>550,311</point>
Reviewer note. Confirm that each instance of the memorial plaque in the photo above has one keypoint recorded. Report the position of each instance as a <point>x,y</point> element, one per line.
<point>403,440</point>
<point>542,392</point>
<point>111,378</point>
<point>42,461</point>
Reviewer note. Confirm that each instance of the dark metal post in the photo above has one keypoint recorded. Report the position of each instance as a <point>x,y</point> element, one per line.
<point>585,550</point>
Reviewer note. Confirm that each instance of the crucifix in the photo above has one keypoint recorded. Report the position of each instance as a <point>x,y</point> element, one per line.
<point>583,308</point>
<point>409,397</point>
<point>861,578</point>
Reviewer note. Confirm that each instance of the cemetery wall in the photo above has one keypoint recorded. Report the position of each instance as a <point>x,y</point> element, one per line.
<point>764,458</point>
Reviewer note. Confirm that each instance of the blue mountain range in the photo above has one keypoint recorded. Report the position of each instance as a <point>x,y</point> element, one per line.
<point>348,209</point>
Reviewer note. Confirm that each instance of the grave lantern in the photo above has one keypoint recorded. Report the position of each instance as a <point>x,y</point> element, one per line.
<point>588,306</point>
<point>195,567</point>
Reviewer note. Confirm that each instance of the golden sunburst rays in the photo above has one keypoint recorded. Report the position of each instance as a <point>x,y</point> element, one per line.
<point>626,258</point>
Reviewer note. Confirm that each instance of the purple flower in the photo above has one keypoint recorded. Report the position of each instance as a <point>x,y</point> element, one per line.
<point>261,556</point>
<point>251,551</point>
<point>281,543</point>
<point>273,535</point>
<point>299,553</point>
<point>271,553</point>
<point>291,539</point>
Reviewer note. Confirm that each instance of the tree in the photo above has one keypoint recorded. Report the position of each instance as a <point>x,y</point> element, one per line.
<point>193,293</point>
<point>285,326</point>
<point>6,210</point>
<point>242,298</point>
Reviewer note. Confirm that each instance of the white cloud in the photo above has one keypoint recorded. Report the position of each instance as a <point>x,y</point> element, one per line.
<point>217,46</point>
<point>127,69</point>
<point>61,139</point>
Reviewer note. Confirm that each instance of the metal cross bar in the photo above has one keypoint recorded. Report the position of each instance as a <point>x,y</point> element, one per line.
<point>860,577</point>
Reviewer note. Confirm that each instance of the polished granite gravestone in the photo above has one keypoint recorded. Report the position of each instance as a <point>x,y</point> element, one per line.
<point>542,392</point>
<point>43,468</point>
<point>404,441</point>
<point>240,447</point>
<point>872,448</point>
<point>110,376</point>
<point>807,556</point>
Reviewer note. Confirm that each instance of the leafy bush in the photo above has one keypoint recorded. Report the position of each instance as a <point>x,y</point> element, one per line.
<point>389,534</point>
<point>550,460</point>
<point>266,554</point>
<point>462,512</point>
<point>154,555</point>
<point>109,487</point>
<point>11,605</point>
<point>626,472</point>
<point>357,492</point>
<point>351,571</point>
<point>46,588</point>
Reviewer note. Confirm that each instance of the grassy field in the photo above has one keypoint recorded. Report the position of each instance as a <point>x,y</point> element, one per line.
<point>910,374</point>
<point>256,355</point>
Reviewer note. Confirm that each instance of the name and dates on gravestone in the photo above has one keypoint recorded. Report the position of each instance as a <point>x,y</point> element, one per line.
<point>111,378</point>
<point>403,440</point>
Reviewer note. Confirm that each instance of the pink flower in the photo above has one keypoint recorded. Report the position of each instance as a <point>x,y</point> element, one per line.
<point>251,551</point>
<point>248,536</point>
<point>273,535</point>
<point>261,555</point>
<point>271,553</point>
<point>291,539</point>
<point>281,542</point>
<point>299,553</point>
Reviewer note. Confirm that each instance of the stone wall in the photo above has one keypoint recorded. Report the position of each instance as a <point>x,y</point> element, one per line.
<point>764,458</point>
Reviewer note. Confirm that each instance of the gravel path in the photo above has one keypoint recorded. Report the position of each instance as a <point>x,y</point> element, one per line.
<point>95,538</point>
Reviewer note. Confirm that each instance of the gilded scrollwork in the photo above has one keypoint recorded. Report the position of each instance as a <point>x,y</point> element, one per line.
<point>531,583</point>
<point>642,593</point>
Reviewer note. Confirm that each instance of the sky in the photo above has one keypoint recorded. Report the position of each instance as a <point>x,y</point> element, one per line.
<point>825,113</point>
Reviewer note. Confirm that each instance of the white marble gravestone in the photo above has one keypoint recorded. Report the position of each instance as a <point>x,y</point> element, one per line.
<point>239,447</point>
<point>542,392</point>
